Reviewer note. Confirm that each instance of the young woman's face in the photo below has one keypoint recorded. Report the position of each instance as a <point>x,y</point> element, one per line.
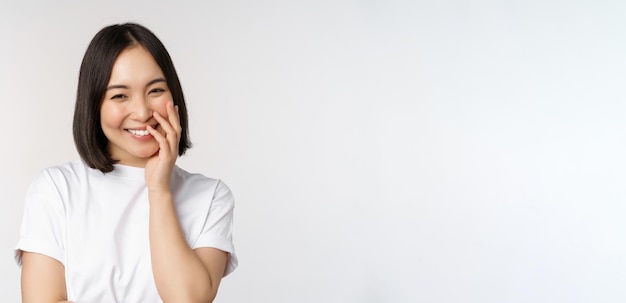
<point>136,89</point>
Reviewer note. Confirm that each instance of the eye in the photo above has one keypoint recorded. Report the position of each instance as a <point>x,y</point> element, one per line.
<point>157,90</point>
<point>118,96</point>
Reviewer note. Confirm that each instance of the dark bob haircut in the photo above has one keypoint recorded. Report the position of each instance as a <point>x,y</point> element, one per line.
<point>93,79</point>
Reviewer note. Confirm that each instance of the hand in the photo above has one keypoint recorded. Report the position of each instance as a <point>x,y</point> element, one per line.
<point>159,167</point>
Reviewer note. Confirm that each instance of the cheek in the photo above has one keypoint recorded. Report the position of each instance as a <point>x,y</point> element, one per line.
<point>110,116</point>
<point>162,111</point>
<point>160,106</point>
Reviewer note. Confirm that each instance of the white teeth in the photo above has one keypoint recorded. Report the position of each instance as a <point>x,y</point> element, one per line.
<point>139,133</point>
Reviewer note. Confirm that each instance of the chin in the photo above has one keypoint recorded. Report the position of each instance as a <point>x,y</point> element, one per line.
<point>147,153</point>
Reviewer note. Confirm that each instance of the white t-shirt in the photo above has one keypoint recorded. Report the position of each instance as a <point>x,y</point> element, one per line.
<point>96,225</point>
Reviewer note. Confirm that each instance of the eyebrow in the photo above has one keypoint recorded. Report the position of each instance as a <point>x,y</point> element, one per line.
<point>157,80</point>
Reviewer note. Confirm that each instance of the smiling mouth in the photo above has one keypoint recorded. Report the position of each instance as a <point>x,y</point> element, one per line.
<point>140,132</point>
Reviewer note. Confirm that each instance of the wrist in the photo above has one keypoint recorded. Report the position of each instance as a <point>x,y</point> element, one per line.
<point>159,193</point>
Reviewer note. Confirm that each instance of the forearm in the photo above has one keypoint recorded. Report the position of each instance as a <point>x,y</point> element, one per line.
<point>179,274</point>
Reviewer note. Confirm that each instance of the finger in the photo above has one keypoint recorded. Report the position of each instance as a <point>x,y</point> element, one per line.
<point>174,117</point>
<point>163,142</point>
<point>165,124</point>
<point>170,133</point>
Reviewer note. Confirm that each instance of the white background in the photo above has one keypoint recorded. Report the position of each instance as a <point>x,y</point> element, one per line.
<point>379,151</point>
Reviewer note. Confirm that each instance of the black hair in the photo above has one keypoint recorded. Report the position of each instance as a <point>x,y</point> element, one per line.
<point>93,79</point>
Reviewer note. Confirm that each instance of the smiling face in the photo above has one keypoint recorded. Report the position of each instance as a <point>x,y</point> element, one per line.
<point>136,89</point>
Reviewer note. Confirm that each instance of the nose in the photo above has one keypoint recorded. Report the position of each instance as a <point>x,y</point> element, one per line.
<point>140,109</point>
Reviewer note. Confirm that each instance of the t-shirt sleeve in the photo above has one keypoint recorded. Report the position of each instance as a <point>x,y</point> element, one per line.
<point>217,229</point>
<point>42,226</point>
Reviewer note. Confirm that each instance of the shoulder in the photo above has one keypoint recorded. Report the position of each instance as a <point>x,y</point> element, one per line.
<point>199,184</point>
<point>197,180</point>
<point>62,177</point>
<point>65,172</point>
<point>54,183</point>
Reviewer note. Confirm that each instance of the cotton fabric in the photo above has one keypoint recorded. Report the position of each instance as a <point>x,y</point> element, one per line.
<point>96,225</point>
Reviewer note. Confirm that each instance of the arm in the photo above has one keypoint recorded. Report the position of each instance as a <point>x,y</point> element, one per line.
<point>180,273</point>
<point>43,279</point>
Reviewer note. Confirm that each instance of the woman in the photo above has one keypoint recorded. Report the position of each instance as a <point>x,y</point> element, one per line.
<point>126,224</point>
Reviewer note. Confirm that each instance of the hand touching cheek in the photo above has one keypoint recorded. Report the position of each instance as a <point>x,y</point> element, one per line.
<point>159,167</point>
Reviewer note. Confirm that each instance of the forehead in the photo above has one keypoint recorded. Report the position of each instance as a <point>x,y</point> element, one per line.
<point>134,65</point>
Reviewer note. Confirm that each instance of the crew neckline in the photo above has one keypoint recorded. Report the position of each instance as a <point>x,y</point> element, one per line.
<point>127,171</point>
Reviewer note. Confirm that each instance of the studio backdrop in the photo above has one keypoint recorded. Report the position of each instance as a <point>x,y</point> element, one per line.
<point>378,151</point>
